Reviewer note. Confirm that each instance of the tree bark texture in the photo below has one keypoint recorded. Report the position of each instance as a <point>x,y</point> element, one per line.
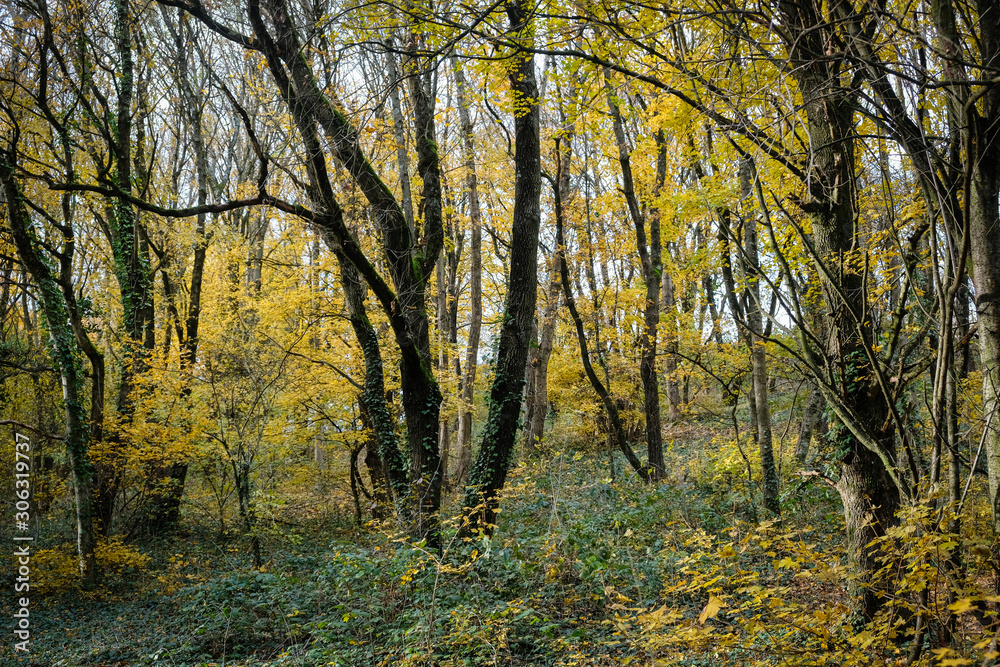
<point>66,354</point>
<point>499,433</point>
<point>868,491</point>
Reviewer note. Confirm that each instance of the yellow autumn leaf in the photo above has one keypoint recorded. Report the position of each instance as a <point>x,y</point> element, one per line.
<point>950,662</point>
<point>788,563</point>
<point>711,609</point>
<point>961,606</point>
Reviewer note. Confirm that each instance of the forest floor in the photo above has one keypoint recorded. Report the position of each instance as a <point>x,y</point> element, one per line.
<point>582,570</point>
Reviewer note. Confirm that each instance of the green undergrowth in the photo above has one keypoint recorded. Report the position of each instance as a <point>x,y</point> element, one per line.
<point>582,570</point>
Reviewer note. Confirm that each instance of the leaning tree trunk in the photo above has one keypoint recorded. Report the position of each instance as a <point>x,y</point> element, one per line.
<point>373,394</point>
<point>66,355</point>
<point>410,260</point>
<point>617,429</point>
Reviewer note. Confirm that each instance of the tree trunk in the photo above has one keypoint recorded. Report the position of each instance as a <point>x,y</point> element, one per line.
<point>377,473</point>
<point>131,264</point>
<point>651,261</point>
<point>244,497</point>
<point>539,395</point>
<point>165,512</point>
<point>410,260</point>
<point>538,372</point>
<point>983,155</point>
<point>870,495</point>
<point>490,469</point>
<point>617,429</point>
<point>758,360</point>
<point>468,381</point>
<point>810,420</point>
<point>66,355</point>
<point>373,395</point>
<point>399,131</point>
<point>669,308</point>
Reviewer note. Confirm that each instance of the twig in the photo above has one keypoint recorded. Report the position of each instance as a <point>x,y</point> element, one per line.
<point>816,473</point>
<point>14,422</point>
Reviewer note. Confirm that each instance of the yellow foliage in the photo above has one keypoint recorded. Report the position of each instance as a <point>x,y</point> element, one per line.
<point>776,598</point>
<point>55,571</point>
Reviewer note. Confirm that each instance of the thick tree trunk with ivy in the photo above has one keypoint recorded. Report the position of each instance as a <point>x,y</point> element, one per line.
<point>499,433</point>
<point>373,394</point>
<point>131,263</point>
<point>421,393</point>
<point>869,494</point>
<point>381,495</point>
<point>67,356</point>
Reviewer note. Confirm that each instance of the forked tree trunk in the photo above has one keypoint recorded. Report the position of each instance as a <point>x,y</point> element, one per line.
<point>869,495</point>
<point>410,260</point>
